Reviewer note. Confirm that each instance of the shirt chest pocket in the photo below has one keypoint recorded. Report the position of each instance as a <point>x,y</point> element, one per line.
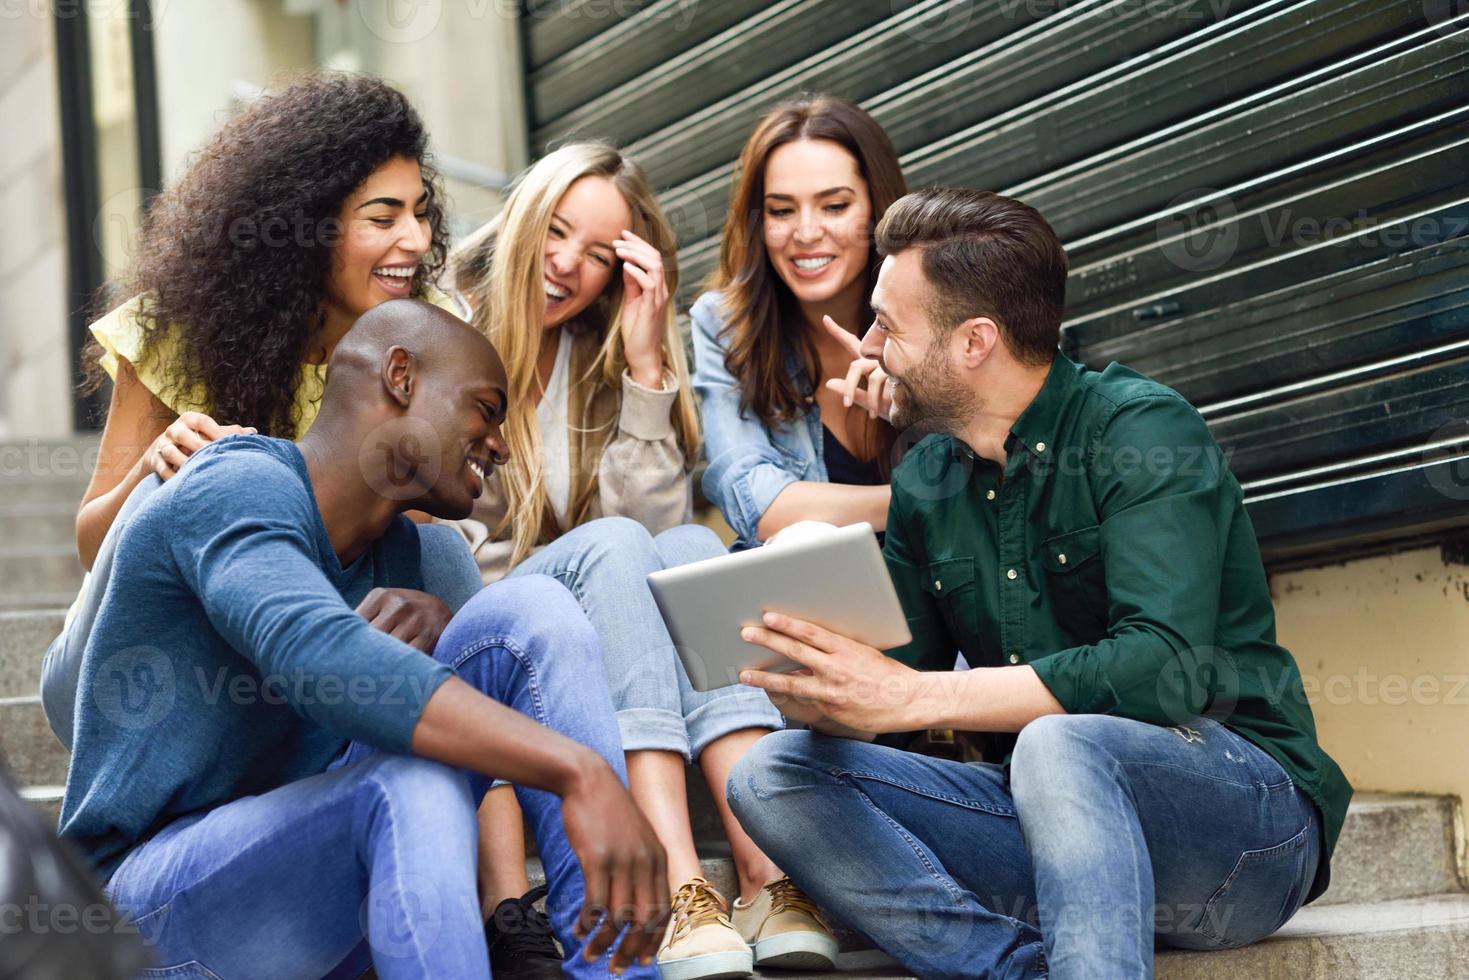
<point>1077,583</point>
<point>952,584</point>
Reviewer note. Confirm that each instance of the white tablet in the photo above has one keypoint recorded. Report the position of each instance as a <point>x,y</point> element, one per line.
<point>835,578</point>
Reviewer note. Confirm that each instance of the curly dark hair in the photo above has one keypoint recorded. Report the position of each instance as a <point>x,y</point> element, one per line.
<point>249,311</point>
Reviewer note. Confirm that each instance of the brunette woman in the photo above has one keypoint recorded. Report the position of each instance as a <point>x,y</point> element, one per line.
<point>796,267</point>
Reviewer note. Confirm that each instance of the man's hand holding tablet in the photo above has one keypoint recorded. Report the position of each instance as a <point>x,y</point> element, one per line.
<point>832,578</point>
<point>844,688</point>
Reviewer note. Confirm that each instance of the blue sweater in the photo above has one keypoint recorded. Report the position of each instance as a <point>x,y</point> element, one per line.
<point>226,658</point>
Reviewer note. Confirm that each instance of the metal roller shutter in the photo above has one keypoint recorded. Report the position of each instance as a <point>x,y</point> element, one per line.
<point>1266,202</point>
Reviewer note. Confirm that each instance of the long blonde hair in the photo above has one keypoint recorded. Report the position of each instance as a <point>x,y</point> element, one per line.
<point>501,270</point>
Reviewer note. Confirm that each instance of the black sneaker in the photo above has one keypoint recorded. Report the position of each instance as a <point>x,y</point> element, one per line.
<point>520,940</point>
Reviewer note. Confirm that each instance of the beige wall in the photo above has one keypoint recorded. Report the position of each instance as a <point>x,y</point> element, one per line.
<point>460,64</point>
<point>461,68</point>
<point>203,49</point>
<point>1383,645</point>
<point>36,399</point>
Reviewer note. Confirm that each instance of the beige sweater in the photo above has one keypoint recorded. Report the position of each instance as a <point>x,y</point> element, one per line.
<point>625,461</point>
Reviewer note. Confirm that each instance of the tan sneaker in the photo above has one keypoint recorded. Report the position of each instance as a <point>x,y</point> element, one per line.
<point>785,929</point>
<point>700,942</point>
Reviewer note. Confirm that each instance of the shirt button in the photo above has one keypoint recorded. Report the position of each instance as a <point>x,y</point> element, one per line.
<point>990,495</point>
<point>1061,558</point>
<point>1040,447</point>
<point>1012,575</point>
<point>1015,658</point>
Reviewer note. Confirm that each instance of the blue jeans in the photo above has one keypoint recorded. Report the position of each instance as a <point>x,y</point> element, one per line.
<point>605,563</point>
<point>375,858</point>
<point>1109,836</point>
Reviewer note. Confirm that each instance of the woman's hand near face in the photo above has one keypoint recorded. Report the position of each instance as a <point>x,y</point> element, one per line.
<point>866,384</point>
<point>644,308</point>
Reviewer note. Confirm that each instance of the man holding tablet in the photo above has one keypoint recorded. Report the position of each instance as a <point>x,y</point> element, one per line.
<point>1079,537</point>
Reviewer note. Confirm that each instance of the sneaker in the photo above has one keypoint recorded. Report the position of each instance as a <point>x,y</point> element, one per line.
<point>785,929</point>
<point>700,942</point>
<point>520,940</point>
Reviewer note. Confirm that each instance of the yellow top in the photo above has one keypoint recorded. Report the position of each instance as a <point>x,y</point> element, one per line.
<point>120,333</point>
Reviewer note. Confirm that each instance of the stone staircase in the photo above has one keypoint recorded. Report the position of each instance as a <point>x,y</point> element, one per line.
<point>1396,907</point>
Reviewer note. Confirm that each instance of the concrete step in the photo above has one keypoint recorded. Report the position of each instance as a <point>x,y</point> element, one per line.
<point>1425,938</point>
<point>30,749</point>
<point>24,637</point>
<point>47,799</point>
<point>33,601</point>
<point>67,461</point>
<point>1422,938</point>
<point>44,489</point>
<point>40,568</point>
<point>38,523</point>
<point>1394,847</point>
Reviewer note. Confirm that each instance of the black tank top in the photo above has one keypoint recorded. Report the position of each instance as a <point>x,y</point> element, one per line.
<point>843,467</point>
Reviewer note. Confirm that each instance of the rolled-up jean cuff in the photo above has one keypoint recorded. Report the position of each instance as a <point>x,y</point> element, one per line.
<point>740,709</point>
<point>653,729</point>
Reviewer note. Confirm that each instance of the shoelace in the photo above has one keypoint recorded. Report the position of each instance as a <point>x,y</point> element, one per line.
<point>521,929</point>
<point>786,897</point>
<point>696,903</point>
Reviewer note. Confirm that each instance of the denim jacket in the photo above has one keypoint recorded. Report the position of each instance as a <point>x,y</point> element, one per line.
<point>750,463</point>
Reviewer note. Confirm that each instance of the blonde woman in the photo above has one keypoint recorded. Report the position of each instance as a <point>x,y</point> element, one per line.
<point>572,282</point>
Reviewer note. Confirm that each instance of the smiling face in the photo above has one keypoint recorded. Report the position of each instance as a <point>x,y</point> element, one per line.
<point>817,219</point>
<point>384,233</point>
<point>463,399</point>
<point>579,257</point>
<point>926,383</point>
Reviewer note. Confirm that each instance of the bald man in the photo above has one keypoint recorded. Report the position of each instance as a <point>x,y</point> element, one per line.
<point>278,786</point>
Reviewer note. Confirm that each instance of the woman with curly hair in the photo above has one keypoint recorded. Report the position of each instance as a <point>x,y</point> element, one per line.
<point>572,282</point>
<point>312,206</point>
<point>309,208</point>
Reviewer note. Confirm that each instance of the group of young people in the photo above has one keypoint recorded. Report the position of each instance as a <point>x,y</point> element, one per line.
<point>368,548</point>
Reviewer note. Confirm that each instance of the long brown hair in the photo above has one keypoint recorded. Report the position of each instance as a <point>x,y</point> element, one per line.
<point>757,303</point>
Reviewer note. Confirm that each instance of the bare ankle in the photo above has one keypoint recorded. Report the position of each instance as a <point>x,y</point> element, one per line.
<point>751,880</point>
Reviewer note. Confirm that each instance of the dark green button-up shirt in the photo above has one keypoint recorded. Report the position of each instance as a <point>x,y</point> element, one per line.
<point>1114,556</point>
